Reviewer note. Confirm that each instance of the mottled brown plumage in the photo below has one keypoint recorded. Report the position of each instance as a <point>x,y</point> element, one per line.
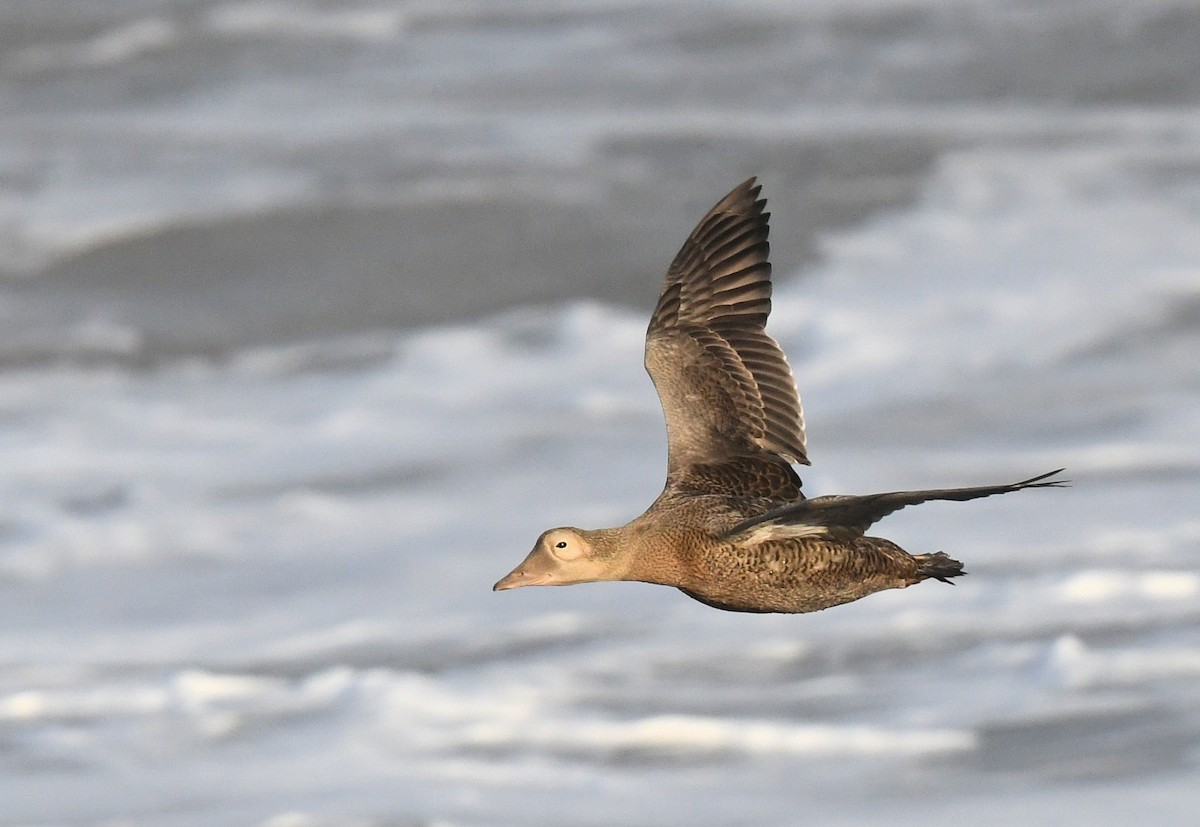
<point>731,527</point>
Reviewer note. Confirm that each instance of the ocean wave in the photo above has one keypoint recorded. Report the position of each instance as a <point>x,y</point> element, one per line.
<point>1080,666</point>
<point>683,736</point>
<point>263,17</point>
<point>1099,586</point>
<point>114,45</point>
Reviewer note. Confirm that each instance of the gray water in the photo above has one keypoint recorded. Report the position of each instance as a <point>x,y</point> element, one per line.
<point>312,316</point>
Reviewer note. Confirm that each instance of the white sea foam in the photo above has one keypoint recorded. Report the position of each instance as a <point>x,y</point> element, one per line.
<point>420,714</point>
<point>263,17</point>
<point>115,45</point>
<point>684,735</point>
<point>1101,586</point>
<point>98,703</point>
<point>900,289</point>
<point>1081,666</point>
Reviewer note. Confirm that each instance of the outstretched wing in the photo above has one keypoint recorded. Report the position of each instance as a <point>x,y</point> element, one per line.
<point>850,516</point>
<point>726,389</point>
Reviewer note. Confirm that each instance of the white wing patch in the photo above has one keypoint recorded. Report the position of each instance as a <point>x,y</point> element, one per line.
<point>769,532</point>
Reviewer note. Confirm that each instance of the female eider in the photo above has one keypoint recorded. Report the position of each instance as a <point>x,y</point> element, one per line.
<point>731,527</point>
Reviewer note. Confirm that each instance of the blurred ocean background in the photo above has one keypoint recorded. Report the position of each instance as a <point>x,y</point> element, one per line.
<point>314,315</point>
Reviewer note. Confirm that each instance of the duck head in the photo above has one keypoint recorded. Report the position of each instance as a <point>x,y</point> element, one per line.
<point>560,557</point>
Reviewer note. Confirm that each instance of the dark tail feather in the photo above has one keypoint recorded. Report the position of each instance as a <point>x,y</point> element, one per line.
<point>939,566</point>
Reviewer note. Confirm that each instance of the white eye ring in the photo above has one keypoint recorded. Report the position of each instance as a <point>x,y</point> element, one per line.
<point>567,550</point>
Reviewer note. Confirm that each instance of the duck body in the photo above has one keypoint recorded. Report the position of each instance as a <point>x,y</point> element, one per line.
<point>732,527</point>
<point>747,574</point>
<point>801,575</point>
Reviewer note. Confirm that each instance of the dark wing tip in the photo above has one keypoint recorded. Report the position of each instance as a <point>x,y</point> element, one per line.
<point>742,198</point>
<point>750,186</point>
<point>1043,481</point>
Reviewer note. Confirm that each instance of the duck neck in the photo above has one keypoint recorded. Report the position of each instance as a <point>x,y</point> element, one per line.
<point>643,555</point>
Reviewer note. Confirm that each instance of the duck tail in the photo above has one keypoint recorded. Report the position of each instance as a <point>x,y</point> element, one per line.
<point>938,566</point>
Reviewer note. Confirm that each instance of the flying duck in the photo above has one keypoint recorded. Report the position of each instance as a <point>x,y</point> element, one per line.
<point>731,527</point>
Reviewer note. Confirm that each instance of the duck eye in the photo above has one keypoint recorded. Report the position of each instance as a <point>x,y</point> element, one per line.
<point>561,544</point>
